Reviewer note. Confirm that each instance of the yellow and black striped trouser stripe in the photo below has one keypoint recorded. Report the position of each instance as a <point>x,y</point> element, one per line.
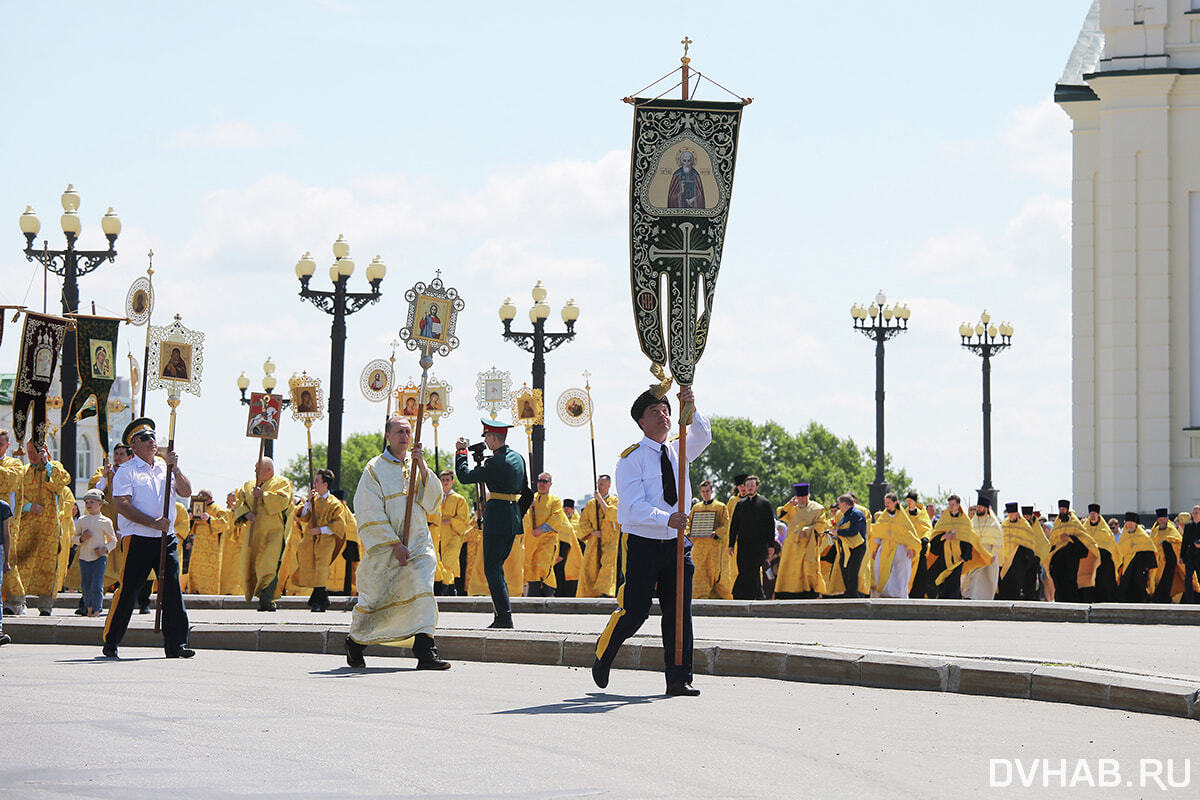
<point>606,636</point>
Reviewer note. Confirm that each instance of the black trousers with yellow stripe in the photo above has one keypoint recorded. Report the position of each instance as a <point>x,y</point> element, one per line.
<point>649,569</point>
<point>141,557</point>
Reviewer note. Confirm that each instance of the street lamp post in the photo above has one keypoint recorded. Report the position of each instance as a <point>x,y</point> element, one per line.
<point>538,342</point>
<point>70,264</point>
<point>879,323</point>
<point>339,304</point>
<point>986,340</point>
<point>268,383</point>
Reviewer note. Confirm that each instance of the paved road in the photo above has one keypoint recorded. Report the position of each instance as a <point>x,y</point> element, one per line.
<point>1157,650</point>
<point>229,724</point>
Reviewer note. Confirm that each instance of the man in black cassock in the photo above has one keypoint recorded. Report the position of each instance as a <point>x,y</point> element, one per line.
<point>753,530</point>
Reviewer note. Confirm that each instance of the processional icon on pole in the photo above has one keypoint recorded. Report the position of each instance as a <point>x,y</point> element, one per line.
<point>176,363</point>
<point>430,328</point>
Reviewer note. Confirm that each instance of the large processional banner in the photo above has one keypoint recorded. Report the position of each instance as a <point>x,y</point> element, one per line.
<point>96,348</point>
<point>41,341</point>
<point>680,185</point>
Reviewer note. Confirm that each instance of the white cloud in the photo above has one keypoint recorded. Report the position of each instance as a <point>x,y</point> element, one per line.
<point>1037,142</point>
<point>232,135</point>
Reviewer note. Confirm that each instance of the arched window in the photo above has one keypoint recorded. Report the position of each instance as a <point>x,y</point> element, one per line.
<point>83,458</point>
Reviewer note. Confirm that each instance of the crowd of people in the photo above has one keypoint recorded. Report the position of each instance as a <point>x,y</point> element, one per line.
<point>267,541</point>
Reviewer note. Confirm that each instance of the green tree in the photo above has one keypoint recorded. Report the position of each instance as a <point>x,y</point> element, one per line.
<point>357,450</point>
<point>831,464</point>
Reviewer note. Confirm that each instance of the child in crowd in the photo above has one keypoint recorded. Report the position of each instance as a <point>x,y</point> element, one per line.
<point>95,536</point>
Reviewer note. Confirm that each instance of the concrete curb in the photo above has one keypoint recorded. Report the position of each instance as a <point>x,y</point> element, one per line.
<point>868,608</point>
<point>802,663</point>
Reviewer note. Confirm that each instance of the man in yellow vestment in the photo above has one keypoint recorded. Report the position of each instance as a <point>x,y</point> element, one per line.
<point>569,563</point>
<point>12,472</point>
<point>542,523</point>
<point>1139,560</point>
<point>894,548</point>
<point>231,550</point>
<point>800,560</point>
<point>601,540</point>
<point>1022,556</point>
<point>1168,542</point>
<point>395,578</point>
<point>954,551</point>
<point>43,543</point>
<point>204,571</point>
<point>322,536</point>
<point>710,538</point>
<point>454,519</point>
<point>982,583</point>
<point>265,505</point>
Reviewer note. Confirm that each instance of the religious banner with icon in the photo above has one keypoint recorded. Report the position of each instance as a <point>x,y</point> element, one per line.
<point>376,380</point>
<point>493,391</point>
<point>95,347</point>
<point>437,398</point>
<point>680,187</point>
<point>408,399</point>
<point>527,407</point>
<point>139,302</point>
<point>432,318</point>
<point>308,400</point>
<point>176,358</point>
<point>41,340</point>
<point>575,407</point>
<point>266,409</point>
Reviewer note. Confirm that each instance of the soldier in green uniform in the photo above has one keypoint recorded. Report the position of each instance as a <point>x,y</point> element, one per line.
<point>504,476</point>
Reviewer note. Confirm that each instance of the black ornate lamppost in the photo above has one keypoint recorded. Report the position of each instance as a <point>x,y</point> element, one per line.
<point>879,323</point>
<point>268,383</point>
<point>986,340</point>
<point>339,304</point>
<point>70,264</point>
<point>538,342</point>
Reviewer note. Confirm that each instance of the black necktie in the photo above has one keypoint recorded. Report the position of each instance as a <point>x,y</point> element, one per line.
<point>670,494</point>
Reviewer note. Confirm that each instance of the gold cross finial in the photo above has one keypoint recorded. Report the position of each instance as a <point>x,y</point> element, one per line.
<point>686,42</point>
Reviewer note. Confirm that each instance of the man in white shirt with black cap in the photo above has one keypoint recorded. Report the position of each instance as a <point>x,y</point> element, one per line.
<point>649,516</point>
<point>138,489</point>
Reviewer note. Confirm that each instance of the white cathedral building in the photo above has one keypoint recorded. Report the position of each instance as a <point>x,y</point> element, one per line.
<point>1132,90</point>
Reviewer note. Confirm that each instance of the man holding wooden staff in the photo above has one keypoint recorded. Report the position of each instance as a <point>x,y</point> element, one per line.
<point>395,580</point>
<point>138,489</point>
<point>649,516</point>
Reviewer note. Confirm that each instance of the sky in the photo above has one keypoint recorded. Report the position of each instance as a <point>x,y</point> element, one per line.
<point>913,149</point>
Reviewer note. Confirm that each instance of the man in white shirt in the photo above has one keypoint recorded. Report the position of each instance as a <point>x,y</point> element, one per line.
<point>138,495</point>
<point>649,516</point>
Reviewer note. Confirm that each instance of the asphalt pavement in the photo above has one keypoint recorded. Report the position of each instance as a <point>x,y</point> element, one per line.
<point>234,724</point>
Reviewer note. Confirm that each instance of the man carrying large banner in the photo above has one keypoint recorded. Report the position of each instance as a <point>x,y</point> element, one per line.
<point>681,181</point>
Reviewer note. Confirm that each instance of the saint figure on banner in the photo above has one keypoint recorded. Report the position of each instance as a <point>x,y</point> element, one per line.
<point>431,324</point>
<point>686,190</point>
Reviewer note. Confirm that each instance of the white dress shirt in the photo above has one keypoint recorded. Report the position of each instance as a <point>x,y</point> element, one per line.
<point>641,509</point>
<point>144,484</point>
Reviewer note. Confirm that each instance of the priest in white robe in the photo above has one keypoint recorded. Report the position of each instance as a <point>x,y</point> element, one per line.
<point>983,582</point>
<point>395,582</point>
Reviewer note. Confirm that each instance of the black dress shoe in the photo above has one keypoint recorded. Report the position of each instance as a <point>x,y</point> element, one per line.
<point>181,652</point>
<point>431,660</point>
<point>144,610</point>
<point>4,638</point>
<point>44,612</point>
<point>682,690</point>
<point>81,612</point>
<point>110,651</point>
<point>600,674</point>
<point>426,652</point>
<point>502,621</point>
<point>355,653</point>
